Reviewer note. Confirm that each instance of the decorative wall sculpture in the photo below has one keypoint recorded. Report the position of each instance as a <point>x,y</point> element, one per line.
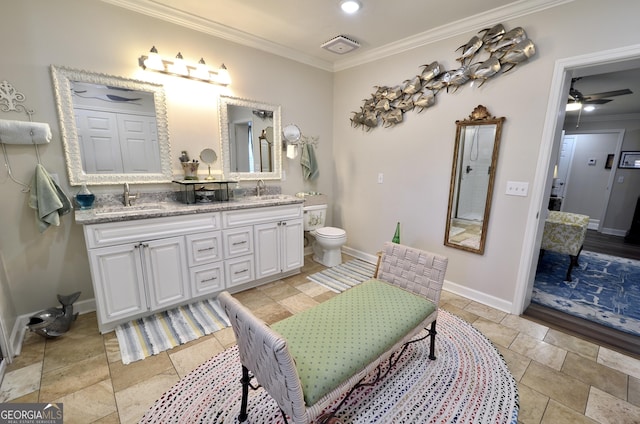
<point>505,50</point>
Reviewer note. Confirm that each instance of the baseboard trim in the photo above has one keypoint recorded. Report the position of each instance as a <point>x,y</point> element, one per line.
<point>20,326</point>
<point>449,286</point>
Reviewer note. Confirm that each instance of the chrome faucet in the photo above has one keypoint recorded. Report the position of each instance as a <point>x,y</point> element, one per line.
<point>259,187</point>
<point>128,197</point>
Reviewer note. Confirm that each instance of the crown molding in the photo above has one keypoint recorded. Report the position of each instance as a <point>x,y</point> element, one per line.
<point>472,23</point>
<point>197,23</point>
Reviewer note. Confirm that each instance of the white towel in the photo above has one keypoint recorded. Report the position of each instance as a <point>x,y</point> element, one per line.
<point>292,151</point>
<point>23,132</point>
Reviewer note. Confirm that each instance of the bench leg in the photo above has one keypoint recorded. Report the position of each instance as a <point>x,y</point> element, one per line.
<point>245,394</point>
<point>432,341</point>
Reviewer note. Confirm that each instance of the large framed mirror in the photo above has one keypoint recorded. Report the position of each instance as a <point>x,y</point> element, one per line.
<point>250,139</point>
<point>475,158</point>
<point>114,129</point>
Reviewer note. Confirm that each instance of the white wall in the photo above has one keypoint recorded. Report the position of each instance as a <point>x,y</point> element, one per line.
<point>416,155</point>
<point>99,37</point>
<point>624,195</point>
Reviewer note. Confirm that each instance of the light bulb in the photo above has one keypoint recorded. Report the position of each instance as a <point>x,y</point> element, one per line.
<point>154,61</point>
<point>350,6</point>
<point>179,67</point>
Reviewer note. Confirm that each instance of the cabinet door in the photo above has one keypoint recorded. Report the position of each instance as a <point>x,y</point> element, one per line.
<point>166,271</point>
<point>292,245</point>
<point>239,270</point>
<point>207,278</point>
<point>267,240</point>
<point>118,282</point>
<point>238,242</point>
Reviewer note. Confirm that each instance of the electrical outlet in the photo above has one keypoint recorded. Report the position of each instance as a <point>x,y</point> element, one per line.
<point>517,188</point>
<point>380,178</point>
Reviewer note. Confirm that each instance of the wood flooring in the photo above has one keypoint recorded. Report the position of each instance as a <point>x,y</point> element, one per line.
<point>619,340</point>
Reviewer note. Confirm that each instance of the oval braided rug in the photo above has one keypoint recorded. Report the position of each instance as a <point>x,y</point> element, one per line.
<point>469,382</point>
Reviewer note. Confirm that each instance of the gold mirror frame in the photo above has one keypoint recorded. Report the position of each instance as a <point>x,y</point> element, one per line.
<point>63,80</point>
<point>477,143</point>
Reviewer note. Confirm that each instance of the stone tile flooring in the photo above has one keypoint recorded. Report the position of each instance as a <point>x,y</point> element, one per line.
<point>561,378</point>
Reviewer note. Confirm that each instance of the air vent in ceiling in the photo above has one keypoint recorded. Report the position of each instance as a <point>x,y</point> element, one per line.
<point>340,45</point>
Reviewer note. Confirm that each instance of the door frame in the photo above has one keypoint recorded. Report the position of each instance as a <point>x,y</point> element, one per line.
<point>564,70</point>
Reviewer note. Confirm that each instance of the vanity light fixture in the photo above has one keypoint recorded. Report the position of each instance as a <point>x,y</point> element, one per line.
<point>179,67</point>
<point>350,6</point>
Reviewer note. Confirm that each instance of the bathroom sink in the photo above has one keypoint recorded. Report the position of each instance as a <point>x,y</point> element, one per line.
<point>128,210</point>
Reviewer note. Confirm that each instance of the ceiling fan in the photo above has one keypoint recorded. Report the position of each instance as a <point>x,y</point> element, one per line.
<point>577,100</point>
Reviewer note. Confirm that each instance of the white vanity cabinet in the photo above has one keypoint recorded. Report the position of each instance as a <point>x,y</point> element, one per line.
<point>277,236</point>
<point>279,247</point>
<point>142,266</point>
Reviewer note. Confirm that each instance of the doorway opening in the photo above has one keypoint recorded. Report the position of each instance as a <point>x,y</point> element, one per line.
<point>565,70</point>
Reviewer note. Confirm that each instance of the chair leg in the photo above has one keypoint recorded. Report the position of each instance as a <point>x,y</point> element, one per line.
<point>245,394</point>
<point>432,341</point>
<point>573,262</point>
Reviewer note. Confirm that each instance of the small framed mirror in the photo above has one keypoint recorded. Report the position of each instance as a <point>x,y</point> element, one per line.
<point>250,149</point>
<point>114,129</point>
<point>475,158</point>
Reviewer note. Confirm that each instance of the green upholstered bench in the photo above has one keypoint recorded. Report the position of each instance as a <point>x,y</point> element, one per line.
<point>309,360</point>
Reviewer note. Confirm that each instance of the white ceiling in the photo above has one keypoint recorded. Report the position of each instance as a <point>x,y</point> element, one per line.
<point>297,28</point>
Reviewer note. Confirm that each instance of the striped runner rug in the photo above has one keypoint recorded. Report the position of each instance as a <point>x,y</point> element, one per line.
<point>162,331</point>
<point>343,276</point>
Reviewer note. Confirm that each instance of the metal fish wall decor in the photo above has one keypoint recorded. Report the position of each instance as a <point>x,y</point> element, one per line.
<point>388,104</point>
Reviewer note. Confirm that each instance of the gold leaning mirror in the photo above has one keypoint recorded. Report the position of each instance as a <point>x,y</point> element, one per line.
<point>473,172</point>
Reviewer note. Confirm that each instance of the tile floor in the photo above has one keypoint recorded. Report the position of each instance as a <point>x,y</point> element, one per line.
<point>561,379</point>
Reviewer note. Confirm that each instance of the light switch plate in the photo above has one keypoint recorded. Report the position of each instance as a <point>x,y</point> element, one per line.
<point>517,188</point>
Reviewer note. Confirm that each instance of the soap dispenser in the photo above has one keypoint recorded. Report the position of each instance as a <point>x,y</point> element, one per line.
<point>85,198</point>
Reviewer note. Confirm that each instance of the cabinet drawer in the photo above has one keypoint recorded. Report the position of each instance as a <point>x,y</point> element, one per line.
<point>239,270</point>
<point>208,278</point>
<point>238,242</point>
<point>204,248</point>
<point>112,233</point>
<point>259,215</point>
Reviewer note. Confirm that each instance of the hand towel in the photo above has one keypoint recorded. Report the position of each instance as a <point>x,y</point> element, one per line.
<point>48,200</point>
<point>292,151</point>
<point>308,162</point>
<point>23,132</point>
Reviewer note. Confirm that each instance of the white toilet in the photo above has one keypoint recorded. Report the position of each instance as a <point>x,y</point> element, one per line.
<point>328,240</point>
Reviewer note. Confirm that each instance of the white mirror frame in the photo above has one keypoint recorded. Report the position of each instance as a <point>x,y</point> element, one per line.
<point>224,140</point>
<point>62,78</point>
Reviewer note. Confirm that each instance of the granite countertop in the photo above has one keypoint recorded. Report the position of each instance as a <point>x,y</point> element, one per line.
<point>150,208</point>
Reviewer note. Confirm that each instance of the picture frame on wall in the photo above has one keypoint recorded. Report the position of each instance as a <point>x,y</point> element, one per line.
<point>630,160</point>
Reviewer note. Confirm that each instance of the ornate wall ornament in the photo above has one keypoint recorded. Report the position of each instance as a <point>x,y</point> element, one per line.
<point>503,51</point>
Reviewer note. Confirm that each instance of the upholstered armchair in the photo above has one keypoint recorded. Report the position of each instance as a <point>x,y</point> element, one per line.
<point>564,233</point>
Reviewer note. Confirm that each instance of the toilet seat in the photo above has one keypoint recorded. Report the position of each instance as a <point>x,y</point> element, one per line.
<point>330,232</point>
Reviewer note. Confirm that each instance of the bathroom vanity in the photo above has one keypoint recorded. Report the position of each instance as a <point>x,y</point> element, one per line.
<point>151,258</point>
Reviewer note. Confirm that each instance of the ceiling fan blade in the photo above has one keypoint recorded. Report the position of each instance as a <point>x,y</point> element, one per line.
<point>597,101</point>
<point>602,95</point>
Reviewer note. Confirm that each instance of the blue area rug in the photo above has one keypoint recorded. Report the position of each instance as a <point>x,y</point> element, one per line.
<point>603,288</point>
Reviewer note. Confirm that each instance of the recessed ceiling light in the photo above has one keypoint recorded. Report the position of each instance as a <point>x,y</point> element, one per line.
<point>350,6</point>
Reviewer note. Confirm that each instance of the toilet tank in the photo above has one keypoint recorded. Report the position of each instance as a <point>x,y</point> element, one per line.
<point>314,216</point>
